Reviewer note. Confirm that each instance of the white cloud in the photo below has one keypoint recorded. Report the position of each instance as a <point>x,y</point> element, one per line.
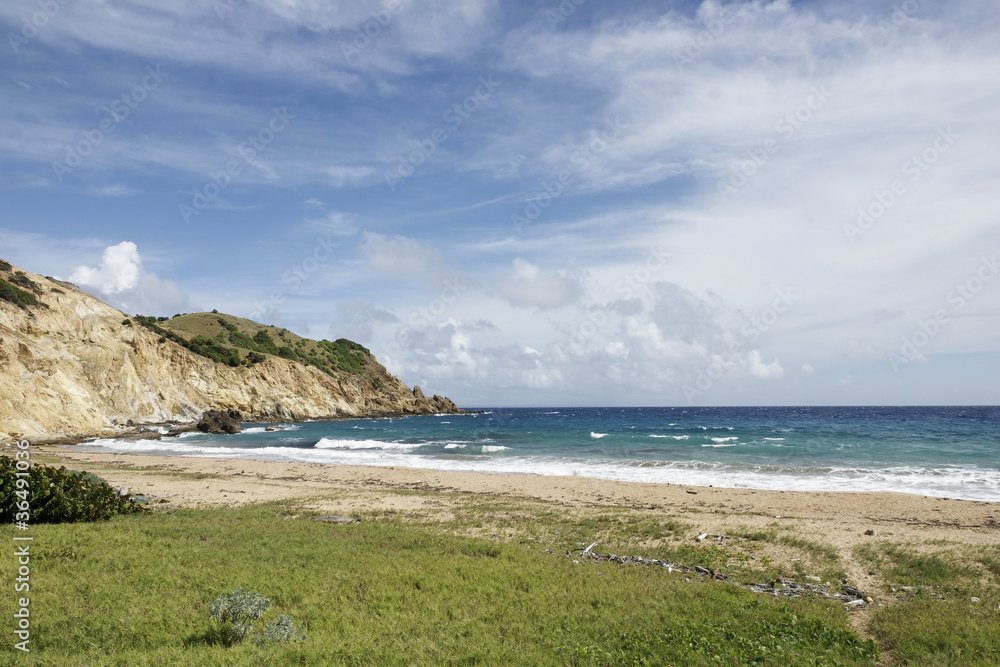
<point>356,321</point>
<point>334,223</point>
<point>526,286</point>
<point>645,347</point>
<point>121,282</point>
<point>403,256</point>
<point>353,176</point>
<point>115,191</point>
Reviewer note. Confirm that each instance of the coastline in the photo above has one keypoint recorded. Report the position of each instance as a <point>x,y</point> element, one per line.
<point>835,519</point>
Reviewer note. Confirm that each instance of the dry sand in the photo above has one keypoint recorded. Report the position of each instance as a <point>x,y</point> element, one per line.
<point>836,519</point>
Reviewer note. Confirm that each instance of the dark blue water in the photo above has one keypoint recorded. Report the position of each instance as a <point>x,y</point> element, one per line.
<point>941,451</point>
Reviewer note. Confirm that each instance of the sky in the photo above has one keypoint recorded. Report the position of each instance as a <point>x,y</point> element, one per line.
<point>532,203</point>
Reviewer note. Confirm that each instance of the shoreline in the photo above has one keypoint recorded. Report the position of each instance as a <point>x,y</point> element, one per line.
<point>836,519</point>
<point>750,483</point>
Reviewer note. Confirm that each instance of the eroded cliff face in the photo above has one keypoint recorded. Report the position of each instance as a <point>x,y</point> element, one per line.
<point>73,369</point>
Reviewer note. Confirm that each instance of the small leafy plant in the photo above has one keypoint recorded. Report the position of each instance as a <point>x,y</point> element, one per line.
<point>280,630</point>
<point>238,611</point>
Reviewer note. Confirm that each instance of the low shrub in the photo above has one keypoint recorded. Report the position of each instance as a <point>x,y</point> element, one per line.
<point>58,495</point>
<point>281,630</point>
<point>17,296</point>
<point>237,612</point>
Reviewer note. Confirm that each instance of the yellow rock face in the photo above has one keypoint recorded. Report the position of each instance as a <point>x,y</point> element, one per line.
<point>74,369</point>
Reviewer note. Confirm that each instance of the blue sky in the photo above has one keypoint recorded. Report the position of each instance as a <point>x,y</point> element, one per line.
<point>532,203</point>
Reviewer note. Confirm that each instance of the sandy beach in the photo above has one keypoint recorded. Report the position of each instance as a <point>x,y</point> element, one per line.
<point>840,520</point>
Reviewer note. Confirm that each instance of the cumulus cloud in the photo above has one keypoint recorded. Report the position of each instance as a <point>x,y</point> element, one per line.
<point>666,339</point>
<point>121,282</point>
<point>660,342</point>
<point>527,286</point>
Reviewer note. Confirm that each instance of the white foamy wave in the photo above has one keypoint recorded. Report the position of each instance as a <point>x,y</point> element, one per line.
<point>675,437</point>
<point>454,445</point>
<point>597,435</point>
<point>493,448</point>
<point>774,439</point>
<point>725,439</point>
<point>337,443</point>
<point>131,445</point>
<point>255,429</point>
<point>968,481</point>
<point>732,445</point>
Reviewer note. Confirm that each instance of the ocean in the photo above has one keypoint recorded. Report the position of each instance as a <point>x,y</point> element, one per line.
<point>951,452</point>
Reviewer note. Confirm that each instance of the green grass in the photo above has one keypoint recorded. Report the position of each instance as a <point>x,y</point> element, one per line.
<point>135,591</point>
<point>905,566</point>
<point>989,559</point>
<point>821,560</point>
<point>932,632</point>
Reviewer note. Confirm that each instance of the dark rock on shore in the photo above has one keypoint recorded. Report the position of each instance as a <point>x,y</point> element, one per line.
<point>141,435</point>
<point>218,422</point>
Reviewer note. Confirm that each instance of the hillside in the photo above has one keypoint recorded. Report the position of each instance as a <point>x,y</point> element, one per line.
<point>71,365</point>
<point>238,341</point>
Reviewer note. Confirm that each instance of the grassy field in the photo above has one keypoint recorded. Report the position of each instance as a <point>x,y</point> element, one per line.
<point>496,582</point>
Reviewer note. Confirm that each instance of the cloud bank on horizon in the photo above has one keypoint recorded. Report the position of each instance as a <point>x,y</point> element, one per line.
<point>533,203</point>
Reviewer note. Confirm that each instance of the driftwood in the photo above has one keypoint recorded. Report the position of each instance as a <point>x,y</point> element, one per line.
<point>778,587</point>
<point>337,519</point>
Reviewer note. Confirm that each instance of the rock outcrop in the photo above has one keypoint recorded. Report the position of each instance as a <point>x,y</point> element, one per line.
<point>76,366</point>
<point>217,421</point>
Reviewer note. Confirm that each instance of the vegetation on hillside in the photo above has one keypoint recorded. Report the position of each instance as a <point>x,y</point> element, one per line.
<point>225,339</point>
<point>18,288</point>
<point>236,341</point>
<point>18,297</point>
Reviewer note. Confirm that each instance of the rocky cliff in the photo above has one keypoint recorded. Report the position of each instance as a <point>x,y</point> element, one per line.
<point>70,367</point>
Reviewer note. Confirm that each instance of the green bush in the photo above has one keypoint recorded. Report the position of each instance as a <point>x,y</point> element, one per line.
<point>240,339</point>
<point>58,495</point>
<point>255,358</point>
<point>5,266</point>
<point>264,342</point>
<point>345,355</point>
<point>214,350</point>
<point>20,278</point>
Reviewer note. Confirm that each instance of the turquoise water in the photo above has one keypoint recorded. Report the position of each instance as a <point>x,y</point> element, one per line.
<point>940,451</point>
